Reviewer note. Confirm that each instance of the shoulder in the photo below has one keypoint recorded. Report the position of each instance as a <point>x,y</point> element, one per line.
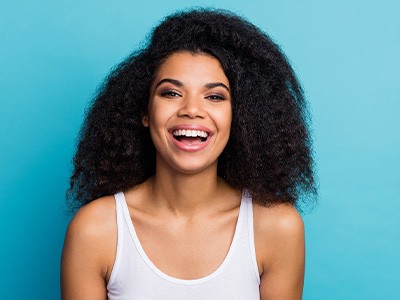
<point>92,234</point>
<point>278,231</point>
<point>94,219</point>
<point>280,251</point>
<point>279,220</point>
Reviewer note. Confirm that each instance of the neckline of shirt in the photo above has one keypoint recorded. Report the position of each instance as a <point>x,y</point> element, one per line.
<point>157,271</point>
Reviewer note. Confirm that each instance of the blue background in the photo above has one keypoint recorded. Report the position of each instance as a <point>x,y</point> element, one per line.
<point>54,54</point>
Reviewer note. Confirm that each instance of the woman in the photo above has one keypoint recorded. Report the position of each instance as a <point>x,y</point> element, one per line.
<point>202,138</point>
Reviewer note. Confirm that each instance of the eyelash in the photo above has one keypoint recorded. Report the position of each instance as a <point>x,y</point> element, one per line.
<point>169,94</point>
<point>215,97</point>
<point>173,94</point>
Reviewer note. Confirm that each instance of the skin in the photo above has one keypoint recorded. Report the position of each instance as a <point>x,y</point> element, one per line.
<point>188,89</point>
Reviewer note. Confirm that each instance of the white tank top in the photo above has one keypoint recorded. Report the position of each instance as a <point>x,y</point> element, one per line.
<point>134,276</point>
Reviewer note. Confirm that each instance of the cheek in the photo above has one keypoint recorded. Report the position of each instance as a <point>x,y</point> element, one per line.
<point>158,115</point>
<point>224,119</point>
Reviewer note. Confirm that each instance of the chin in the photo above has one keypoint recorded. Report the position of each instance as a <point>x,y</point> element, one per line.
<point>192,167</point>
<point>192,170</point>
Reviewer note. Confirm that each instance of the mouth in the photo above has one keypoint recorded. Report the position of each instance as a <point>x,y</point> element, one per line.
<point>190,137</point>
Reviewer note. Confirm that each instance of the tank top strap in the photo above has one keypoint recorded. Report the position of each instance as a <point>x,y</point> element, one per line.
<point>247,203</point>
<point>119,208</point>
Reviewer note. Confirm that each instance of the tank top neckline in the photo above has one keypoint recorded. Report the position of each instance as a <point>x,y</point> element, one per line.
<point>156,270</point>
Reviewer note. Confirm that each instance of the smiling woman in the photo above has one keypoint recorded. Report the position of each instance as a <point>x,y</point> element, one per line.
<point>188,169</point>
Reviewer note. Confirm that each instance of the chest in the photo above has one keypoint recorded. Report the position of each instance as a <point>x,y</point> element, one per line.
<point>186,249</point>
<point>207,258</point>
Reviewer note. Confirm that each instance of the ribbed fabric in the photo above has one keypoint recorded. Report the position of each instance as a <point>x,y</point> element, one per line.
<point>134,276</point>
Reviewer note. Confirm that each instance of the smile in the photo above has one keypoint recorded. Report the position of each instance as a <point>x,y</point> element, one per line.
<point>190,137</point>
<point>181,134</point>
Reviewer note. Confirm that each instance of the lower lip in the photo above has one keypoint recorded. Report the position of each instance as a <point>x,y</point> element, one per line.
<point>190,148</point>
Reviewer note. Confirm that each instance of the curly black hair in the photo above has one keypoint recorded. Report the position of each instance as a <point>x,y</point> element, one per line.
<point>269,150</point>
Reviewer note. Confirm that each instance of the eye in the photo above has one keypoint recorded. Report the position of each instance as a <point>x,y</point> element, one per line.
<point>216,97</point>
<point>170,94</point>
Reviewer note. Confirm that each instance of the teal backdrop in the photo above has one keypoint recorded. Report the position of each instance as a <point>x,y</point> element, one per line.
<point>54,55</point>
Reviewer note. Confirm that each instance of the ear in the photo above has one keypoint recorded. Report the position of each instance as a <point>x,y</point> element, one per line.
<point>145,121</point>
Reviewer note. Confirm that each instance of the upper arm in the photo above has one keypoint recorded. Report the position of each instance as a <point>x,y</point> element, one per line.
<point>87,254</point>
<point>280,247</point>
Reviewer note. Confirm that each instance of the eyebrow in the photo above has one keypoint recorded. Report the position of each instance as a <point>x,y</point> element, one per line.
<point>216,84</point>
<point>180,84</point>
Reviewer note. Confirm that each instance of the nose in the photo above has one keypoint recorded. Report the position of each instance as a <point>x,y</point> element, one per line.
<point>192,107</point>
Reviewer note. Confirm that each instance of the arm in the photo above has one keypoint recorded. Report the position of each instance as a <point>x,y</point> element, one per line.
<point>279,239</point>
<point>87,254</point>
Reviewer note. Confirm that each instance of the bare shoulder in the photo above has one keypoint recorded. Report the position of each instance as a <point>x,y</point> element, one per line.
<point>94,226</point>
<point>280,251</point>
<point>91,238</point>
<point>278,231</point>
<point>96,219</point>
<point>278,221</point>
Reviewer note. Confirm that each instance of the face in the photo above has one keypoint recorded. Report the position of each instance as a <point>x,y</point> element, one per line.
<point>189,112</point>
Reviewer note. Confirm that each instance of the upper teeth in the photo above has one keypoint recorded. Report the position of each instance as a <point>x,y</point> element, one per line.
<point>190,133</point>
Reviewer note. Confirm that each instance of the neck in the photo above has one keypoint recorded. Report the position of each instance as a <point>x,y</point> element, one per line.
<point>186,194</point>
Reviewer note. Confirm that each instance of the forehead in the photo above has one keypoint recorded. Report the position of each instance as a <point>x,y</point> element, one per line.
<point>200,66</point>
